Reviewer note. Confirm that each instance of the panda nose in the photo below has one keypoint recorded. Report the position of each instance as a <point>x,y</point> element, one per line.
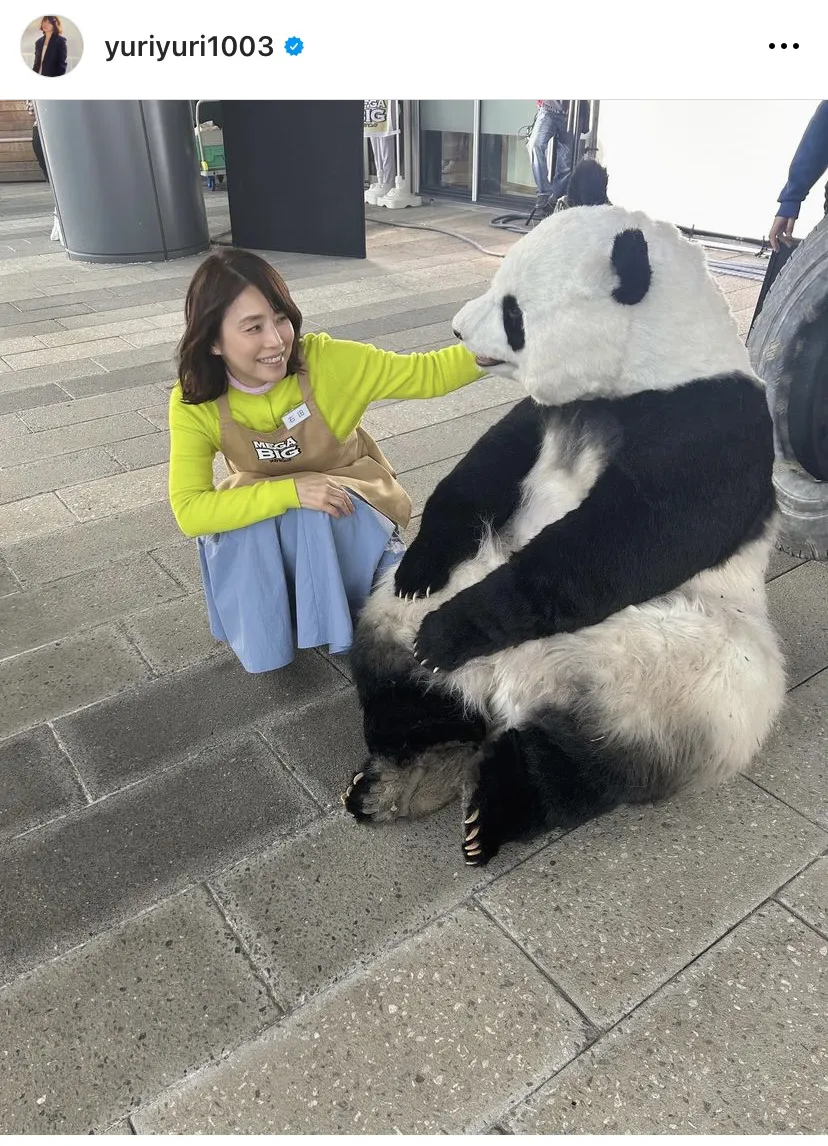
<point>456,333</point>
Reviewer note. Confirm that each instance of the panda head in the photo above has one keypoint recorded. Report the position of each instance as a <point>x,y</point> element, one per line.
<point>600,301</point>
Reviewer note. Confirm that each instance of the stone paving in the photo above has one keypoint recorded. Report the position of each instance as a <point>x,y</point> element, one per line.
<point>194,937</point>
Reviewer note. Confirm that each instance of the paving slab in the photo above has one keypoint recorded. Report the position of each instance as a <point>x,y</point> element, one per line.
<point>781,562</point>
<point>8,582</point>
<point>127,378</point>
<point>181,560</point>
<point>15,380</point>
<point>797,607</point>
<point>92,409</point>
<point>48,357</point>
<point>47,444</point>
<point>151,449</point>
<point>327,902</point>
<point>123,491</point>
<point>80,334</point>
<point>174,635</point>
<point>125,1016</point>
<point>60,678</point>
<point>807,895</point>
<point>445,439</point>
<point>33,517</point>
<point>793,765</point>
<point>81,601</point>
<point>140,356</point>
<point>183,715</point>
<point>736,1045</point>
<point>65,882</point>
<point>92,544</point>
<point>51,473</point>
<point>12,429</point>
<point>620,905</point>
<point>324,763</point>
<point>28,399</point>
<point>418,412</point>
<point>437,1036</point>
<point>37,782</point>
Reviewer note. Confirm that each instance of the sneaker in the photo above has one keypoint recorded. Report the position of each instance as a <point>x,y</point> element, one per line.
<point>377,191</point>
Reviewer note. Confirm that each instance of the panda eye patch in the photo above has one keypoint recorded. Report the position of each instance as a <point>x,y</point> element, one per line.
<point>513,322</point>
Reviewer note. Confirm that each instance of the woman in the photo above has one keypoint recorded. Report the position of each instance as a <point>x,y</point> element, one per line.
<point>292,540</point>
<point>50,49</point>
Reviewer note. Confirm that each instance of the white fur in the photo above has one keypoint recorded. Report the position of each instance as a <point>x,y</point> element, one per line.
<point>695,677</point>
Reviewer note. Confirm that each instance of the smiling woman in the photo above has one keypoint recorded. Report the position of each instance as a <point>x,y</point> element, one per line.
<point>291,541</point>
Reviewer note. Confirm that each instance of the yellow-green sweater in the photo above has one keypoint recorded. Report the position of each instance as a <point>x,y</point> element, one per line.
<point>345,377</point>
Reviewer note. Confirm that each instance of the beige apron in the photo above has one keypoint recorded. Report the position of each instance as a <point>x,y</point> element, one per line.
<point>309,446</point>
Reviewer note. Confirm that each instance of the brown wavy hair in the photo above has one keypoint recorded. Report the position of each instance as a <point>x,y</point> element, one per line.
<point>215,286</point>
<point>55,22</point>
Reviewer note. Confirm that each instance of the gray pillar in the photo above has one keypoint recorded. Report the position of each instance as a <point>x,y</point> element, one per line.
<point>126,178</point>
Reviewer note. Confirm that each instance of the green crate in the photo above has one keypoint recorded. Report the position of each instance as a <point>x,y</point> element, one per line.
<point>214,155</point>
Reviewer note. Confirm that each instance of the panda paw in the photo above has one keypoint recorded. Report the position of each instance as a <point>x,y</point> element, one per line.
<point>418,575</point>
<point>481,839</point>
<point>449,637</point>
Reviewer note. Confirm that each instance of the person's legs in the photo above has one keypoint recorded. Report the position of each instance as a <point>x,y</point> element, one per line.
<point>383,146</point>
<point>542,131</point>
<point>563,162</point>
<point>37,147</point>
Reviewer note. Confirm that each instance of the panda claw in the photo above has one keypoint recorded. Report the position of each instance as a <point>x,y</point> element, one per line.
<point>428,591</point>
<point>474,851</point>
<point>349,789</point>
<point>357,778</point>
<point>472,834</point>
<point>472,817</point>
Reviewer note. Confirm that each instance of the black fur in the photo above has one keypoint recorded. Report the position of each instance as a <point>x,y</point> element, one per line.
<point>513,322</point>
<point>587,185</point>
<point>631,260</point>
<point>474,493</point>
<point>688,482</point>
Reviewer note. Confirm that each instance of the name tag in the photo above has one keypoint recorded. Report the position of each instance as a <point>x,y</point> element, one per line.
<point>294,417</point>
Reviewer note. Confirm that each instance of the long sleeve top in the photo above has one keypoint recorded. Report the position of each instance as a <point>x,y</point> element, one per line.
<point>345,377</point>
<point>808,164</point>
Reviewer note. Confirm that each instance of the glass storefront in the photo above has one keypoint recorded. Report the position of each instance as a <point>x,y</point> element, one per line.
<point>446,134</point>
<point>505,171</point>
<point>476,149</point>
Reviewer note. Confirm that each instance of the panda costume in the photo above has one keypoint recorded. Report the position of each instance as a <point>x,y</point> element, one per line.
<point>581,621</point>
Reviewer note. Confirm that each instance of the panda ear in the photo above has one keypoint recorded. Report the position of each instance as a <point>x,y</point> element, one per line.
<point>631,262</point>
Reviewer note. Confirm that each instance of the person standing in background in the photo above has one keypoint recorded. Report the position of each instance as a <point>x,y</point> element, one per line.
<point>50,49</point>
<point>37,147</point>
<point>810,162</point>
<point>550,123</point>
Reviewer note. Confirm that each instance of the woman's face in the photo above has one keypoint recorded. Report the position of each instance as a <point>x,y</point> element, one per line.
<point>46,25</point>
<point>254,340</point>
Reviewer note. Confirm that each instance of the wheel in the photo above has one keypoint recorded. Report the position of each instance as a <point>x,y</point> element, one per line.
<point>788,348</point>
<point>211,182</point>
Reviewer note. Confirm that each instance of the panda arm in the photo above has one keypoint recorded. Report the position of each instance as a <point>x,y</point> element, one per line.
<point>483,488</point>
<point>653,519</point>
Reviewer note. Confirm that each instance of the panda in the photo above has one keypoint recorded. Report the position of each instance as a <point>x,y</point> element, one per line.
<point>581,621</point>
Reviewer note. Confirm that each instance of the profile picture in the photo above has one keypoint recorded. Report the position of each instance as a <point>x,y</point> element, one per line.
<point>51,45</point>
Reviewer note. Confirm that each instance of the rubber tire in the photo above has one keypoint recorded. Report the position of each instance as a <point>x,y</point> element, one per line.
<point>784,337</point>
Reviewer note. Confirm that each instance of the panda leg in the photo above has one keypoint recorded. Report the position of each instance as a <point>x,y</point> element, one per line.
<point>420,743</point>
<point>526,783</point>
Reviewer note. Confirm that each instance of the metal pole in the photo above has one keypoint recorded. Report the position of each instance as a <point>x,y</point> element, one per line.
<point>414,145</point>
<point>475,153</point>
<point>591,149</point>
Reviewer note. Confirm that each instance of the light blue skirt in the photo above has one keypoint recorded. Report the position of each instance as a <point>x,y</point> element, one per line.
<point>294,581</point>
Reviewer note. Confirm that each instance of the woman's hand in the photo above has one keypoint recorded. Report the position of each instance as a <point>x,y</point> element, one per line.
<point>318,491</point>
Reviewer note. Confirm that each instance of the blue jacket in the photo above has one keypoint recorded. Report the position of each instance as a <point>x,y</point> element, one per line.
<point>809,162</point>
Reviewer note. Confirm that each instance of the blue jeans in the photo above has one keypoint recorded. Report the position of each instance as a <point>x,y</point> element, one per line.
<point>547,126</point>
